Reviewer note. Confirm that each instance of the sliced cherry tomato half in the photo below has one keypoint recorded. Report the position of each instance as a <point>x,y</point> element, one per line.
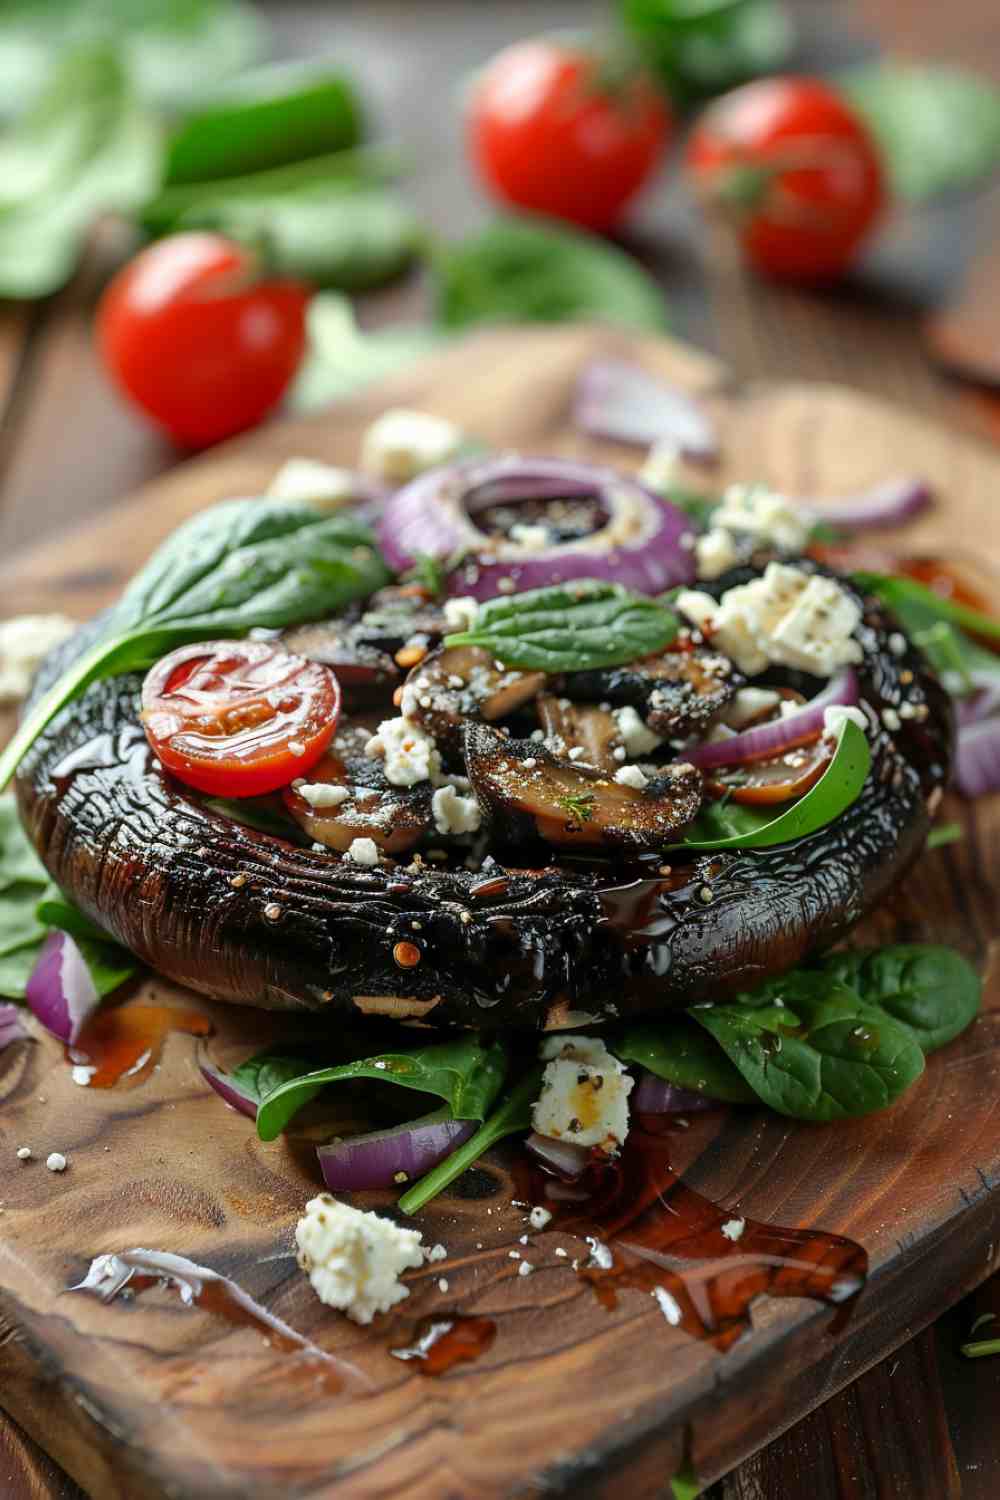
<point>775,778</point>
<point>239,718</point>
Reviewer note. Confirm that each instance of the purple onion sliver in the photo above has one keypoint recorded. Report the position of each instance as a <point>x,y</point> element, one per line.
<point>982,704</point>
<point>228,1091</point>
<point>625,403</point>
<point>655,1096</point>
<point>891,503</point>
<point>12,1027</point>
<point>778,734</point>
<point>977,759</point>
<point>60,992</point>
<point>387,1158</point>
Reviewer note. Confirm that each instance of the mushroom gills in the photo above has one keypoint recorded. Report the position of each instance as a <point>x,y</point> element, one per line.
<point>462,684</point>
<point>677,692</point>
<point>527,792</point>
<point>582,727</point>
<point>394,818</point>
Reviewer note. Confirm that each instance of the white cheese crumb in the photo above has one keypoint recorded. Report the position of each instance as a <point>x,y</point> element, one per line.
<point>539,1217</point>
<point>891,719</point>
<point>82,1073</point>
<point>897,643</point>
<point>839,714</point>
<point>600,1254</point>
<point>455,814</point>
<point>669,1306</point>
<point>401,444</point>
<point>435,1252</point>
<point>770,518</point>
<point>363,852</point>
<point>733,1228</point>
<point>410,754</point>
<point>577,752</point>
<point>320,484</point>
<point>56,1162</point>
<point>353,1259</point>
<point>636,738</point>
<point>584,1095</point>
<point>715,552</point>
<point>24,641</point>
<point>322,793</point>
<point>531,538</point>
<point>631,776</point>
<point>750,703</point>
<point>24,1153</point>
<point>525,1268</point>
<point>443,1284</point>
<point>461,613</point>
<point>296,747</point>
<point>562,1254</point>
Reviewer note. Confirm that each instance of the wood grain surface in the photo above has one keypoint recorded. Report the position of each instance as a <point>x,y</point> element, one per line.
<point>150,1399</point>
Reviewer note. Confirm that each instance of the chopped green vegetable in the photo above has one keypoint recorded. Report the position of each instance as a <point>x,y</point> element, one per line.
<point>678,1050</point>
<point>234,567</point>
<point>466,1074</point>
<point>342,358</point>
<point>917,605</point>
<point>701,47</point>
<point>932,990</point>
<point>571,627</point>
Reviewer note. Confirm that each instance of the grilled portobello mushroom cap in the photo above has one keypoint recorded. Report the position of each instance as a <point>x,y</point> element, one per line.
<point>253,918</point>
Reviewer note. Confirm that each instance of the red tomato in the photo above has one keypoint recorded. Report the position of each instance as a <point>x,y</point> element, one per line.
<point>239,718</point>
<point>196,339</point>
<point>795,169</point>
<point>552,135</point>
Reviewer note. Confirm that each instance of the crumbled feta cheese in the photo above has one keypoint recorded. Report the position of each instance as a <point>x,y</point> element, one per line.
<point>750,703</point>
<point>600,1253</point>
<point>461,613</point>
<point>401,444</point>
<point>539,1217</point>
<point>715,552</point>
<point>409,753</point>
<point>353,1259</point>
<point>891,720</point>
<point>839,714</point>
<point>363,852</point>
<point>24,641</point>
<point>762,513</point>
<point>659,471</point>
<point>443,1284</point>
<point>669,1306</point>
<point>455,814</point>
<point>562,1254</point>
<point>631,776</point>
<point>24,1153</point>
<point>435,1252</point>
<point>733,1228</point>
<point>635,737</point>
<point>525,1268</point>
<point>577,753</point>
<point>296,747</point>
<point>897,643</point>
<point>531,538</point>
<point>584,1095</point>
<point>56,1162</point>
<point>320,484</point>
<point>322,793</point>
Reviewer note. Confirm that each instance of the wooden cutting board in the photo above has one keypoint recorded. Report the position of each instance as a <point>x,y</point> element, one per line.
<point>149,1399</point>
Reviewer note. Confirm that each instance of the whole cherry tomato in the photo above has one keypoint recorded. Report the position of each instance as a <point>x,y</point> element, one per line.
<point>198,339</point>
<point>795,169</point>
<point>239,718</point>
<point>552,131</point>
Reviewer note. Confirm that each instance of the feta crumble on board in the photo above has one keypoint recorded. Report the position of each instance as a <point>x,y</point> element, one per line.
<point>584,1094</point>
<point>401,444</point>
<point>56,1162</point>
<point>453,813</point>
<point>363,852</point>
<point>24,641</point>
<point>353,1259</point>
<point>409,753</point>
<point>317,483</point>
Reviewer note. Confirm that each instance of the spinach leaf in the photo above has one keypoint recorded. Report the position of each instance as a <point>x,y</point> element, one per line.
<point>933,991</point>
<point>238,565</point>
<point>531,271</point>
<point>702,47</point>
<point>511,1116</point>
<point>916,605</point>
<point>810,1048</point>
<point>938,126</point>
<point>278,114</point>
<point>21,937</point>
<point>570,627</point>
<point>465,1073</point>
<point>342,358</point>
<point>837,788</point>
<point>18,860</point>
<point>679,1051</point>
<point>263,1073</point>
<point>86,146</point>
<point>263,814</point>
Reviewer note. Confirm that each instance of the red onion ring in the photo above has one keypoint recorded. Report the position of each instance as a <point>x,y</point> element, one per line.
<point>891,503</point>
<point>639,547</point>
<point>60,992</point>
<point>977,760</point>
<point>779,734</point>
<point>228,1091</point>
<point>12,1027</point>
<point>624,402</point>
<point>655,1096</point>
<point>377,1158</point>
<point>564,1157</point>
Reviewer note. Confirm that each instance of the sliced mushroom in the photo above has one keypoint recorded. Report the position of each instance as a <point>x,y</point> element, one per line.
<point>776,778</point>
<point>464,683</point>
<point>528,792</point>
<point>346,799</point>
<point>582,727</point>
<point>361,669</point>
<point>677,692</point>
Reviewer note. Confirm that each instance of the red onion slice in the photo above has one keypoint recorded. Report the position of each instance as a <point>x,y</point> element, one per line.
<point>639,546</point>
<point>655,1096</point>
<point>60,992</point>
<point>977,760</point>
<point>12,1027</point>
<point>891,503</point>
<point>624,402</point>
<point>779,734</point>
<point>228,1091</point>
<point>379,1157</point>
<point>564,1157</point>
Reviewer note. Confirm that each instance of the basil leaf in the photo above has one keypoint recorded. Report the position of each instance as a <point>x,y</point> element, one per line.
<point>932,990</point>
<point>531,271</point>
<point>701,47</point>
<point>509,1118</point>
<point>278,114</point>
<point>839,786</point>
<point>236,566</point>
<point>570,627</point>
<point>821,1053</point>
<point>341,358</point>
<point>86,146</point>
<point>465,1073</point>
<point>679,1051</point>
<point>938,126</point>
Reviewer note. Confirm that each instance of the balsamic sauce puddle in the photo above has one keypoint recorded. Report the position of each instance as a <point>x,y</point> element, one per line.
<point>121,1044</point>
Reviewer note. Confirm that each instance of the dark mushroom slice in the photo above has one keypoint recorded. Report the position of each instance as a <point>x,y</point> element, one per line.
<point>362,670</point>
<point>582,727</point>
<point>461,683</point>
<point>529,792</point>
<point>351,799</point>
<point>677,692</point>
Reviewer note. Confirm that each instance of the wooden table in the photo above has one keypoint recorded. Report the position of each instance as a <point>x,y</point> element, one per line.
<point>924,1422</point>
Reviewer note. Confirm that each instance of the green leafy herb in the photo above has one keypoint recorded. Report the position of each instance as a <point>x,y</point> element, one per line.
<point>918,606</point>
<point>239,565</point>
<point>430,572</point>
<point>685,1055</point>
<point>510,1117</point>
<point>578,805</point>
<point>733,826</point>
<point>570,627</point>
<point>938,126</point>
<point>265,1072</point>
<point>278,114</point>
<point>945,833</point>
<point>85,147</point>
<point>932,990</point>
<point>531,271</point>
<point>341,358</point>
<point>702,47</point>
<point>810,1048</point>
<point>465,1073</point>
